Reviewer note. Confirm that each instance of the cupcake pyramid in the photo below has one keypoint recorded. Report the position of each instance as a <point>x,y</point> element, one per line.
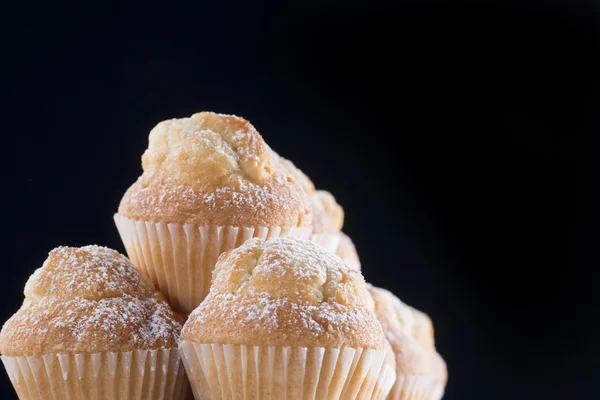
<point>241,284</point>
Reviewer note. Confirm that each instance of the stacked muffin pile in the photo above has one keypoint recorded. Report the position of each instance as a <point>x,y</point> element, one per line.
<point>245,288</point>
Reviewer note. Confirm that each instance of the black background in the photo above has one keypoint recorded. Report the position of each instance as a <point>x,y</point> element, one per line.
<point>457,136</point>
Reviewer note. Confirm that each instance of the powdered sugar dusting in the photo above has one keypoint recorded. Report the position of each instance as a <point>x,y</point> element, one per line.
<point>89,299</point>
<point>214,169</point>
<point>208,146</point>
<point>91,272</point>
<point>244,196</point>
<point>297,174</point>
<point>271,314</point>
<point>285,289</point>
<point>241,198</point>
<point>252,143</point>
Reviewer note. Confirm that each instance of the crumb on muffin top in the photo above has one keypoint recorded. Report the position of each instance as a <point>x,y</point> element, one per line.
<point>214,169</point>
<point>87,300</point>
<point>285,292</point>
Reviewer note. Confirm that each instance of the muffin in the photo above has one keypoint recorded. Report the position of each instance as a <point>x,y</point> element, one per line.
<point>305,182</point>
<point>328,215</point>
<point>347,252</point>
<point>285,319</point>
<point>421,372</point>
<point>210,182</point>
<point>328,219</point>
<point>92,327</point>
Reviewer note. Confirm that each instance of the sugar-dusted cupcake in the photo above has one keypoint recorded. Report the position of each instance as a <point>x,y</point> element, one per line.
<point>421,371</point>
<point>210,182</point>
<point>347,252</point>
<point>328,215</point>
<point>304,181</point>
<point>328,219</point>
<point>91,327</point>
<point>285,319</point>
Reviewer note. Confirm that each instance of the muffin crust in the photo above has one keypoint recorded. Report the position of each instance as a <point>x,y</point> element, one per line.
<point>347,252</point>
<point>88,300</point>
<point>328,215</point>
<point>214,169</point>
<point>298,174</point>
<point>410,332</point>
<point>285,292</point>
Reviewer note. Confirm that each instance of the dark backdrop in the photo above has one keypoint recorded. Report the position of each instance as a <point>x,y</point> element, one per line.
<point>457,136</point>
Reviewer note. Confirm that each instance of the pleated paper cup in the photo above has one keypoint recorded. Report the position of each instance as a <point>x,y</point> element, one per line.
<point>136,375</point>
<point>438,392</point>
<point>179,258</point>
<point>329,241</point>
<point>416,388</point>
<point>237,372</point>
<point>383,385</point>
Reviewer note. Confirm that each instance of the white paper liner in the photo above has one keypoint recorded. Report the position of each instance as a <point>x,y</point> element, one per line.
<point>416,388</point>
<point>237,372</point>
<point>438,392</point>
<point>135,375</point>
<point>383,385</point>
<point>179,258</point>
<point>329,241</point>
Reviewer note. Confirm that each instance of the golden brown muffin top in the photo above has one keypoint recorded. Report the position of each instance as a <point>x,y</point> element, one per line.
<point>328,215</point>
<point>297,173</point>
<point>285,292</point>
<point>88,300</point>
<point>214,169</point>
<point>347,252</point>
<point>410,332</point>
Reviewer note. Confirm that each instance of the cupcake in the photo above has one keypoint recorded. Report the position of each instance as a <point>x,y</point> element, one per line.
<point>328,215</point>
<point>328,219</point>
<point>347,252</point>
<point>298,174</point>
<point>92,327</point>
<point>285,319</point>
<point>421,372</point>
<point>210,183</point>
